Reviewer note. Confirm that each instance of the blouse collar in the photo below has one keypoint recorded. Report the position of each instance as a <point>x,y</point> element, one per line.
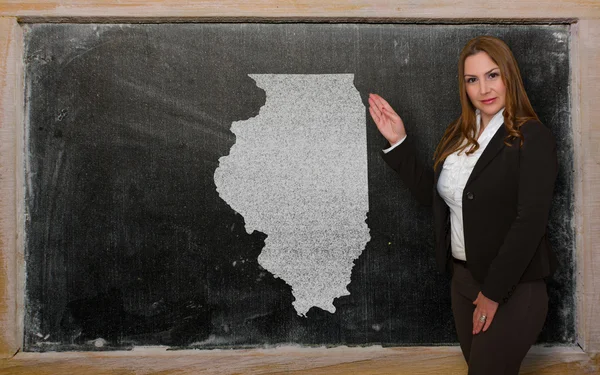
<point>493,126</point>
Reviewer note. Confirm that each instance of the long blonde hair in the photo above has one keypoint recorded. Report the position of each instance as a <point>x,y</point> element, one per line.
<point>517,109</point>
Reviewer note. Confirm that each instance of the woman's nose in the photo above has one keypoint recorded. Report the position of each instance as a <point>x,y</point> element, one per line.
<point>483,87</point>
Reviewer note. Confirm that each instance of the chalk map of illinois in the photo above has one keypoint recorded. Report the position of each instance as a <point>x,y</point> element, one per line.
<point>298,173</point>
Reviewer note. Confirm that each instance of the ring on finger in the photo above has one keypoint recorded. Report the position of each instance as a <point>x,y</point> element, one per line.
<point>482,318</point>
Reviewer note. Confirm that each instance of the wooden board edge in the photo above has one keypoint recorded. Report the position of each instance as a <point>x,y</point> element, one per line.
<point>588,256</point>
<point>19,182</point>
<point>297,19</point>
<point>291,360</point>
<point>578,173</point>
<point>311,9</point>
<point>11,111</point>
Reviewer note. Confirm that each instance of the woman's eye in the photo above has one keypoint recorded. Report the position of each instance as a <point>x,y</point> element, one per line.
<point>494,75</point>
<point>471,79</point>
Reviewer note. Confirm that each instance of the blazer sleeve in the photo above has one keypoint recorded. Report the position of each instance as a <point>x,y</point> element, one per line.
<point>538,168</point>
<point>417,177</point>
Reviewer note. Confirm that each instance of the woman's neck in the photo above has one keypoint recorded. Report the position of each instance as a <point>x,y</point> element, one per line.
<point>485,120</point>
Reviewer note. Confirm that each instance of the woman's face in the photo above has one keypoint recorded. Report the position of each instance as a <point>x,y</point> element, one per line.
<point>484,85</point>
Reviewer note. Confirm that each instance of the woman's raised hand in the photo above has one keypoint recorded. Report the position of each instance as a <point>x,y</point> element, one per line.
<point>388,122</point>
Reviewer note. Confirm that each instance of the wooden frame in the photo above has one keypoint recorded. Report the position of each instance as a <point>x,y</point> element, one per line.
<point>584,15</point>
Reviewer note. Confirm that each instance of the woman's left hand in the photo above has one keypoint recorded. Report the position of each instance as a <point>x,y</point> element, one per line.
<point>484,307</point>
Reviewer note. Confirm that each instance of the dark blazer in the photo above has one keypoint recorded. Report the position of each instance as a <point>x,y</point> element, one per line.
<point>506,203</point>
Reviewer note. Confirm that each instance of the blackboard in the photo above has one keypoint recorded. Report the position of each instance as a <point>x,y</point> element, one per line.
<point>128,241</point>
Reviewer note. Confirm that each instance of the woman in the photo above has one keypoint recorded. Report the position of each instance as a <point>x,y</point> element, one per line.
<point>491,190</point>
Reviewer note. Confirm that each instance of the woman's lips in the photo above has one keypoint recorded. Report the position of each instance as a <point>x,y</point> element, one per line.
<point>488,101</point>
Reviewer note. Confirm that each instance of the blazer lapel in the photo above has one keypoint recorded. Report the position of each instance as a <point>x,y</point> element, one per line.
<point>493,148</point>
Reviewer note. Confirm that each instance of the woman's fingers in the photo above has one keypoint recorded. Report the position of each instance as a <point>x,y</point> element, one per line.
<point>385,115</point>
<point>488,321</point>
<point>386,111</point>
<point>477,322</point>
<point>392,114</point>
<point>373,106</point>
<point>375,116</point>
<point>387,120</point>
<point>377,102</point>
<point>484,307</point>
<point>381,102</point>
<point>383,105</point>
<point>478,314</point>
<point>380,119</point>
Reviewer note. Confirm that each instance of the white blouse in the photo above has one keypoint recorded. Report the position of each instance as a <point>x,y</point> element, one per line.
<point>453,178</point>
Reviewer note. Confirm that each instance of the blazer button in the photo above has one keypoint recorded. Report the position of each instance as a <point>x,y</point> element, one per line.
<point>470,196</point>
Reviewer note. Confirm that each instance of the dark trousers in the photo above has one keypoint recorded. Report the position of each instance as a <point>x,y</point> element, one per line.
<point>515,328</point>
